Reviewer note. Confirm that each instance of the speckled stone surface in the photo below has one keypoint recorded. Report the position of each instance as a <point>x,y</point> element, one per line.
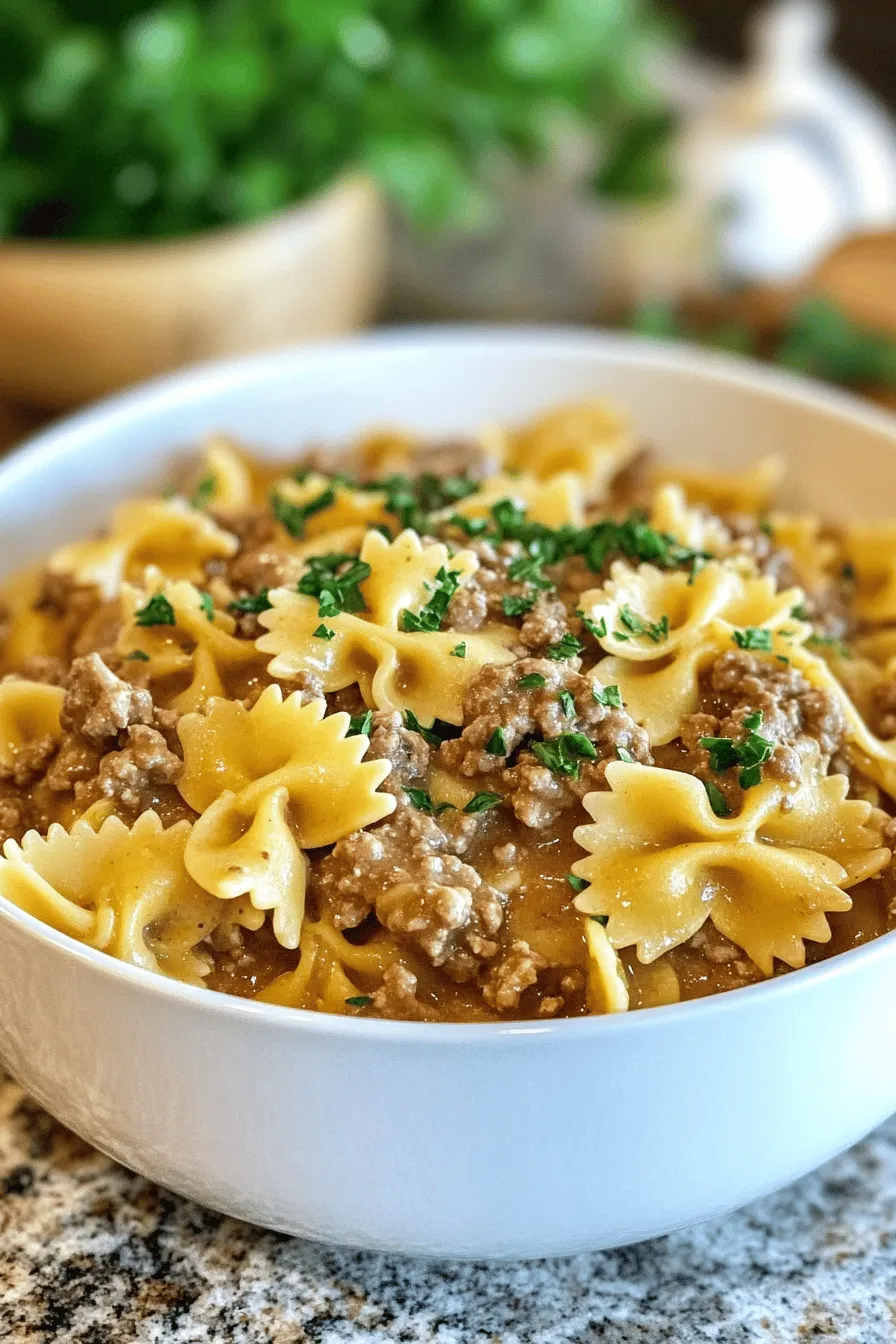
<point>91,1254</point>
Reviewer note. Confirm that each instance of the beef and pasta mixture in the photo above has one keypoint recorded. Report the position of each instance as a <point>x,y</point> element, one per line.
<point>525,725</point>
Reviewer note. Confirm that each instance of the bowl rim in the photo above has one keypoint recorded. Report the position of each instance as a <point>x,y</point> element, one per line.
<point>200,382</point>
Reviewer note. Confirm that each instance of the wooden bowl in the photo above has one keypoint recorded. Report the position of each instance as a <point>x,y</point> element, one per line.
<point>79,320</point>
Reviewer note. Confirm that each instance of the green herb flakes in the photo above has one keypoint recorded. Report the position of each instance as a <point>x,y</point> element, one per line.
<point>137,656</point>
<point>516,606</point>
<point>577,883</point>
<point>753,637</point>
<point>294,516</point>
<point>333,579</point>
<point>607,695</point>
<point>567,647</point>
<point>750,754</point>
<point>207,603</point>
<point>656,631</point>
<point>359,724</point>
<point>716,799</point>
<point>359,1001</point>
<point>430,616</point>
<point>483,802</point>
<point>533,681</point>
<point>251,604</point>
<point>158,611</point>
<point>625,755</point>
<point>323,632</point>
<point>497,743</point>
<point>203,494</point>
<point>563,754</point>
<point>424,803</point>
<point>459,650</point>
<point>567,703</point>
<point>596,628</point>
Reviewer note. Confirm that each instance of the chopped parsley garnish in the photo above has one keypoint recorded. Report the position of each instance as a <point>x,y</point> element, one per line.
<point>568,704</point>
<point>625,755</point>
<point>207,603</point>
<point>138,656</point>
<point>251,604</point>
<point>602,920</point>
<point>596,628</point>
<point>359,724</point>
<point>471,527</point>
<point>359,1001</point>
<point>636,540</point>
<point>750,754</point>
<point>158,611</point>
<point>516,606</point>
<point>509,520</point>
<point>497,743</point>
<point>764,525</point>
<point>333,579</point>
<point>323,632</point>
<point>430,616</point>
<point>656,631</point>
<point>424,803</point>
<point>567,647</point>
<point>563,754</point>
<point>800,612</point>
<point>577,883</point>
<point>413,498</point>
<point>607,695</point>
<point>716,799</point>
<point>533,681</point>
<point>848,572</point>
<point>459,650</point>
<point>294,516</point>
<point>527,569</point>
<point>483,802</point>
<point>696,565</point>
<point>753,637</point>
<point>205,489</point>
<point>437,733</point>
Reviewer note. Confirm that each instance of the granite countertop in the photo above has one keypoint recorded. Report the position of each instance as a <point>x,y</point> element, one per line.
<point>91,1254</point>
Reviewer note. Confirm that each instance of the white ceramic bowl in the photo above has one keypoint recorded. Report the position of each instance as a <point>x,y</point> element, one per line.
<point>524,1139</point>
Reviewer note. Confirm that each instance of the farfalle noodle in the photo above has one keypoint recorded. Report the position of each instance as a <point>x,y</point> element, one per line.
<point>590,439</point>
<point>123,890</point>
<point>394,668</point>
<point>270,782</point>
<point>661,863</point>
<point>197,656</point>
<point>746,492</point>
<point>167,534</point>
<point>29,712</point>
<point>658,674</point>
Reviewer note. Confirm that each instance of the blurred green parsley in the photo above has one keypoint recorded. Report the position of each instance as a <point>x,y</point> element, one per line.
<point>817,338</point>
<point>125,120</point>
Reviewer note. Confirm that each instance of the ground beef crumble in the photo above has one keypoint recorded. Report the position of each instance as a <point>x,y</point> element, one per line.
<point>407,752</point>
<point>495,701</point>
<point>794,715</point>
<point>396,997</point>
<point>410,871</point>
<point>516,972</point>
<point>116,743</point>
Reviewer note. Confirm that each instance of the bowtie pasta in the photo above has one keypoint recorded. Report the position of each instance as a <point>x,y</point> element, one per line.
<point>516,726</point>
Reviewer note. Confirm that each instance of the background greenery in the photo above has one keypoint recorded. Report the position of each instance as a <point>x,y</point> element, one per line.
<point>121,119</point>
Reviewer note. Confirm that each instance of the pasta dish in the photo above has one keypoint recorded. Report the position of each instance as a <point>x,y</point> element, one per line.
<point>525,725</point>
